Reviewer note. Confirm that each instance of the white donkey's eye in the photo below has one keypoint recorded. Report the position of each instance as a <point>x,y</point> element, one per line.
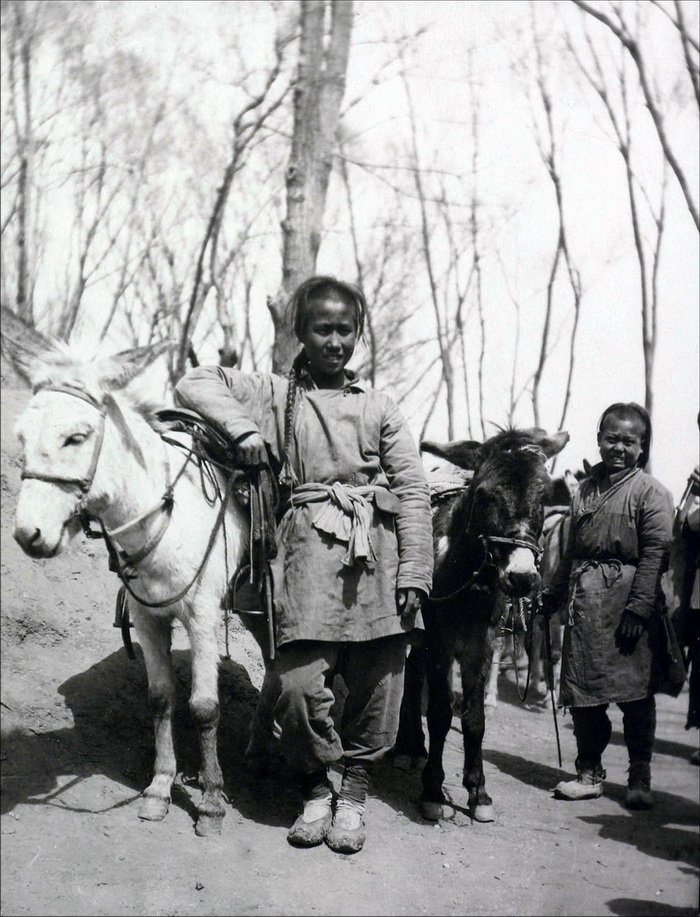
<point>75,439</point>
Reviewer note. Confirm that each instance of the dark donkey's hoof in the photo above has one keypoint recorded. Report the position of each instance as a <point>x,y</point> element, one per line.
<point>431,811</point>
<point>482,812</point>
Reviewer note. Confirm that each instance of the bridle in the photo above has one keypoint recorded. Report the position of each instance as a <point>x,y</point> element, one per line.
<point>487,561</point>
<point>120,561</point>
<point>84,483</point>
<point>487,541</point>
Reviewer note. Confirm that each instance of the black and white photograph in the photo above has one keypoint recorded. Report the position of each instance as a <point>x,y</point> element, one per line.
<point>350,428</point>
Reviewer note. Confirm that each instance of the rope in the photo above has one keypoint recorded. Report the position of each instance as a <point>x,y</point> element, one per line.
<point>504,630</point>
<point>550,679</point>
<point>120,569</point>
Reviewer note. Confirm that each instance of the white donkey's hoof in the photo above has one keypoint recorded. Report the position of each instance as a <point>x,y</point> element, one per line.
<point>153,808</point>
<point>490,700</point>
<point>432,811</point>
<point>208,825</point>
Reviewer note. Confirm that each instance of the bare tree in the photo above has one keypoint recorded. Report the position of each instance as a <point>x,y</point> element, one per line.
<point>562,258</point>
<point>326,27</point>
<point>619,27</point>
<point>247,125</point>
<point>647,253</point>
<point>384,271</point>
<point>25,26</point>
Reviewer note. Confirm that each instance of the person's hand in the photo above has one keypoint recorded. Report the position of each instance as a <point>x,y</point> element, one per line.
<point>695,480</point>
<point>251,451</point>
<point>548,604</point>
<point>407,606</point>
<point>630,629</point>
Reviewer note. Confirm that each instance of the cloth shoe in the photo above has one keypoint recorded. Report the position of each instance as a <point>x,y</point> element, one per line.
<point>311,827</point>
<point>347,832</point>
<point>638,795</point>
<point>588,785</point>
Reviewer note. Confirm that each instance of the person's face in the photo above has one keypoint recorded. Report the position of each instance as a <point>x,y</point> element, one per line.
<point>620,443</point>
<point>329,337</point>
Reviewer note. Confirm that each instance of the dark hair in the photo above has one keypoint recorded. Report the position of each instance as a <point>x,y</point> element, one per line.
<point>630,410</point>
<point>325,287</point>
<point>307,293</point>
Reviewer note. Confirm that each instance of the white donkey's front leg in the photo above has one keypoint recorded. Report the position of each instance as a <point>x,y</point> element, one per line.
<point>204,708</point>
<point>491,698</point>
<point>155,636</point>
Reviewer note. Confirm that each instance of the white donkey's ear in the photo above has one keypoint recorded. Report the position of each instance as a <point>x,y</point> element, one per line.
<point>25,347</point>
<point>117,371</point>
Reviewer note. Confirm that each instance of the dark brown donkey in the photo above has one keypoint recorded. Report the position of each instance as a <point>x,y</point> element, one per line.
<point>485,539</point>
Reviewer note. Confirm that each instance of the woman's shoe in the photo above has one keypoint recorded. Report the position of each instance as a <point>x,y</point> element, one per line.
<point>638,795</point>
<point>588,785</point>
<point>312,826</point>
<point>347,832</point>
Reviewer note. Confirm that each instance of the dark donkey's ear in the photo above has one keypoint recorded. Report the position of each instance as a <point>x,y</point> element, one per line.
<point>465,453</point>
<point>552,445</point>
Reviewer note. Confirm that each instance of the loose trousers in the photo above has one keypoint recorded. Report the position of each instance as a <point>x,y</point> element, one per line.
<point>373,673</point>
<point>593,729</point>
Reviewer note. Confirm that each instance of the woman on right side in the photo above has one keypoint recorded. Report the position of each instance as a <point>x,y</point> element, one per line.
<point>611,572</point>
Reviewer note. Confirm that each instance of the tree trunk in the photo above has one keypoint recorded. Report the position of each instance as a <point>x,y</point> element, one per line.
<point>318,94</point>
<point>26,145</point>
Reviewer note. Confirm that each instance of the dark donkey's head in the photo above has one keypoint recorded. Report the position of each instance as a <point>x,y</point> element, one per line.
<point>499,519</point>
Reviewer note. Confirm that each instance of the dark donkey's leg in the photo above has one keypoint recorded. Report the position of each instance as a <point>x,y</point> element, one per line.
<point>263,752</point>
<point>204,707</point>
<point>440,636</point>
<point>474,655</point>
<point>410,741</point>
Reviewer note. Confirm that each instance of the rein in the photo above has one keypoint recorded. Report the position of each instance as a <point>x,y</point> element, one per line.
<point>487,559</point>
<point>521,604</point>
<point>119,560</point>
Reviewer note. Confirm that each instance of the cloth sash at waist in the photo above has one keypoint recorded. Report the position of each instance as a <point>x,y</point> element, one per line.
<point>613,573</point>
<point>346,514</point>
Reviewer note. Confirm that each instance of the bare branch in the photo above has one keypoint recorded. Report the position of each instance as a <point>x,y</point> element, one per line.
<point>632,46</point>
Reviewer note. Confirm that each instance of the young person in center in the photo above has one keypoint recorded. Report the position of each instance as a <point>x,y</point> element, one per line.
<point>354,549</point>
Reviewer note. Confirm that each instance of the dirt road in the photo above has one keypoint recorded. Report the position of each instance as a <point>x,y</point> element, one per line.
<point>77,750</point>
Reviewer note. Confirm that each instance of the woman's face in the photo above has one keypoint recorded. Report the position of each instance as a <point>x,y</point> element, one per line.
<point>329,337</point>
<point>620,442</point>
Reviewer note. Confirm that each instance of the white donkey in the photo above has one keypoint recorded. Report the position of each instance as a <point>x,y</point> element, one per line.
<point>92,451</point>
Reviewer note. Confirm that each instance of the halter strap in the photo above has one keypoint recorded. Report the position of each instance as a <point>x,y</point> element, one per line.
<point>71,390</point>
<point>530,544</point>
<point>83,483</point>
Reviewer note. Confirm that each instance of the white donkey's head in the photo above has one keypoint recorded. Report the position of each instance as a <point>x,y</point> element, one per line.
<point>61,433</point>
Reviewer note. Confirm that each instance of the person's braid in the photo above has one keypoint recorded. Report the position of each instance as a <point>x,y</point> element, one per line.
<point>289,410</point>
